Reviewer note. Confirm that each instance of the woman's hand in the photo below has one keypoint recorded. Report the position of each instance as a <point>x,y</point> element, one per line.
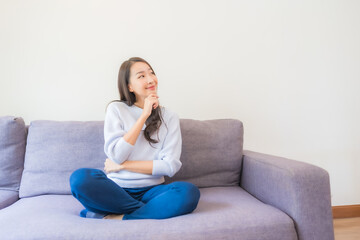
<point>151,102</point>
<point>111,166</point>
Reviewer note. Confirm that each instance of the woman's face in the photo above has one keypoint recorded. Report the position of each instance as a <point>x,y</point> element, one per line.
<point>143,80</point>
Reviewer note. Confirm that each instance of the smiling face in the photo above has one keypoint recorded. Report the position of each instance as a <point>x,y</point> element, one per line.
<point>143,81</point>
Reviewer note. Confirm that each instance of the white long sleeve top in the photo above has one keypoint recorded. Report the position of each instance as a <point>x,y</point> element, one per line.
<point>119,119</point>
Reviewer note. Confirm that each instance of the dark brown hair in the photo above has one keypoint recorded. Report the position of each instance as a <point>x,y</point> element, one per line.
<point>154,121</point>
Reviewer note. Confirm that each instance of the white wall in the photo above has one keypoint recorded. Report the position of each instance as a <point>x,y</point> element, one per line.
<point>289,70</point>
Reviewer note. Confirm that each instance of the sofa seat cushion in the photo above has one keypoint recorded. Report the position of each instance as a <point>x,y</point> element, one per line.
<point>222,213</point>
<point>8,197</point>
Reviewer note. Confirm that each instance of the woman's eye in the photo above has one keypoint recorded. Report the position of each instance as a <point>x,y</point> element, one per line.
<point>141,76</point>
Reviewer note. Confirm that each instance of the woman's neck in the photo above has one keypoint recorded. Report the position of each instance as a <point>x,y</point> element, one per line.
<point>139,104</point>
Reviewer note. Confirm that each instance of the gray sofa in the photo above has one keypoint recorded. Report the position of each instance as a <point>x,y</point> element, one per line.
<point>244,194</point>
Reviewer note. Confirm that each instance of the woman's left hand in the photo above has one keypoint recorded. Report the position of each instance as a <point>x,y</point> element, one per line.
<point>111,166</point>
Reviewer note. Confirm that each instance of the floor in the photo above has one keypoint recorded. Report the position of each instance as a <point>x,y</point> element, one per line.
<point>347,228</point>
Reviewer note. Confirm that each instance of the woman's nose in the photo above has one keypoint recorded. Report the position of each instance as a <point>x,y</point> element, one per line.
<point>150,79</point>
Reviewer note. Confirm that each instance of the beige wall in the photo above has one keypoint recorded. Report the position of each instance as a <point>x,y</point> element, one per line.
<point>290,70</point>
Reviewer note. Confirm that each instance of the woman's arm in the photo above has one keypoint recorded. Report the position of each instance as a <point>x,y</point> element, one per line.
<point>169,156</point>
<point>115,146</point>
<point>141,166</point>
<point>133,133</point>
<point>118,143</point>
<point>150,102</point>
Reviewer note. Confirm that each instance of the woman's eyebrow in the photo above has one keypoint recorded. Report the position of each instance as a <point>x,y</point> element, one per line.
<point>142,71</point>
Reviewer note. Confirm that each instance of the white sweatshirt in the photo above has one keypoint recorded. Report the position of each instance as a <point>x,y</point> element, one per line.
<point>119,119</point>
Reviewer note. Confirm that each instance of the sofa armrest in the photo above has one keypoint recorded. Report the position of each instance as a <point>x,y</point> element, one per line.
<point>299,189</point>
<point>8,197</point>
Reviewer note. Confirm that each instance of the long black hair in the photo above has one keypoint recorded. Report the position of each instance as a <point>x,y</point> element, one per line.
<point>154,121</point>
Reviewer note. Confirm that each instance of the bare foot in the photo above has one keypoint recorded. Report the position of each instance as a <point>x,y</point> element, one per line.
<point>114,216</point>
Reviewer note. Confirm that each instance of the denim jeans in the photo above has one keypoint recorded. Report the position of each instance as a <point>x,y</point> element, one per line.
<point>99,194</point>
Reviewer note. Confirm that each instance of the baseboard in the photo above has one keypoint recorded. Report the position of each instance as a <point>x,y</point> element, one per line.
<point>347,211</point>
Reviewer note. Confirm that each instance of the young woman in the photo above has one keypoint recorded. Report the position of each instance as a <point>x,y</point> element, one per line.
<point>143,144</point>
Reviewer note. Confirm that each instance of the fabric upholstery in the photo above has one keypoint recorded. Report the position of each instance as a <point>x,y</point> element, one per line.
<point>299,189</point>
<point>222,213</point>
<point>55,149</point>
<point>279,198</point>
<point>8,197</point>
<point>13,134</point>
<point>211,152</point>
<point>12,150</point>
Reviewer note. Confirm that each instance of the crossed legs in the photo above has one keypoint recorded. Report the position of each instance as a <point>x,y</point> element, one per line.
<point>101,195</point>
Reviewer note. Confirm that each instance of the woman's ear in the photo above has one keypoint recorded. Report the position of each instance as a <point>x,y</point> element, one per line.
<point>130,88</point>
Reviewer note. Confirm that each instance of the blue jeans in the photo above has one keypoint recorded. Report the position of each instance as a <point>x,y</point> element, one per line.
<point>99,194</point>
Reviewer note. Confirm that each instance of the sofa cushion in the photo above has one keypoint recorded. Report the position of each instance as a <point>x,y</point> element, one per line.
<point>12,150</point>
<point>211,152</point>
<point>55,149</point>
<point>222,213</point>
<point>8,197</point>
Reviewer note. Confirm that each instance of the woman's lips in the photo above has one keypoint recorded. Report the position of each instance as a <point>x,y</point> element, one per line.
<point>152,88</point>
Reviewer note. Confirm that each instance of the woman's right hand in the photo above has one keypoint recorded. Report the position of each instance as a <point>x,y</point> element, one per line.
<point>151,102</point>
<point>110,166</point>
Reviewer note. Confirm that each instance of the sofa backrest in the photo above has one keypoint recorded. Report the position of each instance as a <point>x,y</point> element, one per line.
<point>12,150</point>
<point>211,153</point>
<point>57,148</point>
